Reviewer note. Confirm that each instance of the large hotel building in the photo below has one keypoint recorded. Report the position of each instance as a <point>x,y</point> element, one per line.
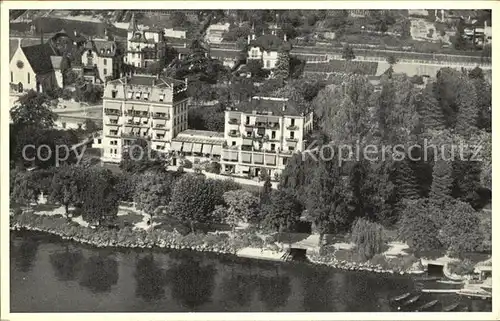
<point>142,106</point>
<point>262,134</point>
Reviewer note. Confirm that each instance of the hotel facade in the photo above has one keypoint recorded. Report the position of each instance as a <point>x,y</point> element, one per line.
<point>142,106</point>
<point>261,135</point>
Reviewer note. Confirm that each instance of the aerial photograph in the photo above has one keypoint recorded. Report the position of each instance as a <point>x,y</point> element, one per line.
<point>262,160</point>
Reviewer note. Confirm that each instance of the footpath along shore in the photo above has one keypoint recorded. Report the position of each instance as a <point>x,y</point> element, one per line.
<point>128,238</point>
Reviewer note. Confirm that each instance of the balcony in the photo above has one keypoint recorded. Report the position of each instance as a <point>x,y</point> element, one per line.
<point>234,134</point>
<point>112,112</point>
<point>291,139</point>
<point>160,116</point>
<point>159,138</point>
<point>113,134</point>
<point>292,127</point>
<point>234,121</point>
<point>248,125</point>
<point>112,122</point>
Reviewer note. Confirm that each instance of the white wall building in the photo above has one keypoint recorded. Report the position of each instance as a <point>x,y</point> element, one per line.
<point>266,49</point>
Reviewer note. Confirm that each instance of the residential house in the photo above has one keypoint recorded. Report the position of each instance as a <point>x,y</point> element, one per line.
<point>175,33</point>
<point>144,46</point>
<point>228,58</point>
<point>266,49</point>
<point>262,135</point>
<point>215,32</point>
<point>100,60</point>
<point>31,68</point>
<point>142,106</point>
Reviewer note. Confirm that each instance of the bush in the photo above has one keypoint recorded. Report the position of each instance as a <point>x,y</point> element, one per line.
<point>368,238</point>
<point>461,267</point>
<point>214,167</point>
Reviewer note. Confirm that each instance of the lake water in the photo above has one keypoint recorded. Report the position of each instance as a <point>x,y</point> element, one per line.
<point>48,274</point>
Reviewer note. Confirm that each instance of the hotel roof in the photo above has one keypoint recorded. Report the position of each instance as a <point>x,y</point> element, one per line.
<point>148,80</point>
<point>278,107</point>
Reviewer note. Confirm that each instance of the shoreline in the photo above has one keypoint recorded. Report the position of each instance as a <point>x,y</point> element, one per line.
<point>174,241</point>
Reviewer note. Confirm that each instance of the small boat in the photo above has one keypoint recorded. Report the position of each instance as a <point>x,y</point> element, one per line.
<point>451,307</point>
<point>400,297</point>
<point>427,305</point>
<point>412,300</point>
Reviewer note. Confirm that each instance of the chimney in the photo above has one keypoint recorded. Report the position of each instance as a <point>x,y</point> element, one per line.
<point>186,82</point>
<point>74,32</point>
<point>248,39</point>
<point>284,37</point>
<point>284,107</point>
<point>185,45</point>
<point>253,37</point>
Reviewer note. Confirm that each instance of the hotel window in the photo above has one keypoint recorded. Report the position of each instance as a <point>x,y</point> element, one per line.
<point>268,63</point>
<point>291,148</point>
<point>292,122</point>
<point>273,146</point>
<point>273,134</point>
<point>249,134</point>
<point>162,96</point>
<point>138,95</point>
<point>111,151</point>
<point>284,161</point>
<point>146,96</point>
<point>11,76</point>
<point>116,151</point>
<point>105,61</point>
<point>133,55</point>
<point>292,135</point>
<point>248,120</point>
<point>114,93</point>
<point>254,53</point>
<point>28,77</point>
<point>129,94</point>
<point>233,143</point>
<point>105,71</point>
<point>99,140</point>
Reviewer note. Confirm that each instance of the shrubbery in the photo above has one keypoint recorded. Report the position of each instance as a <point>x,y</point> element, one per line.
<point>368,238</point>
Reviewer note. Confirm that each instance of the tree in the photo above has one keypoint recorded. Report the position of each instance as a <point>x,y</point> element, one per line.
<point>91,126</point>
<point>467,181</point>
<point>139,157</point>
<point>283,212</point>
<point>178,19</point>
<point>348,53</point>
<point>242,207</point>
<point>468,112</point>
<point>459,41</point>
<point>417,226</point>
<point>442,180</point>
<point>23,189</point>
<point>461,231</point>
<point>429,109</point>
<point>33,108</point>
<point>326,199</point>
<point>125,186</point>
<point>368,238</point>
<point>67,187</point>
<point>152,193</point>
<point>255,68</point>
<point>282,68</point>
<point>392,60</point>
<point>193,200</point>
<point>265,192</point>
<point>99,198</point>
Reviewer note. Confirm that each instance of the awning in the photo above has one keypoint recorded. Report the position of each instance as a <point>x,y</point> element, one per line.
<point>244,168</point>
<point>226,155</point>
<point>138,107</point>
<point>144,132</point>
<point>258,159</point>
<point>216,150</point>
<point>247,142</point>
<point>246,157</point>
<point>261,131</point>
<point>270,160</point>
<point>230,155</point>
<point>176,146</point>
<point>292,144</point>
<point>196,148</point>
<point>207,149</point>
<point>113,117</point>
<point>187,147</point>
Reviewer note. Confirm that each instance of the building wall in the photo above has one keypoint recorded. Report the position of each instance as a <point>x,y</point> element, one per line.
<point>24,75</point>
<point>106,66</point>
<point>268,58</point>
<point>280,138</point>
<point>158,122</point>
<point>170,32</point>
<point>134,55</point>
